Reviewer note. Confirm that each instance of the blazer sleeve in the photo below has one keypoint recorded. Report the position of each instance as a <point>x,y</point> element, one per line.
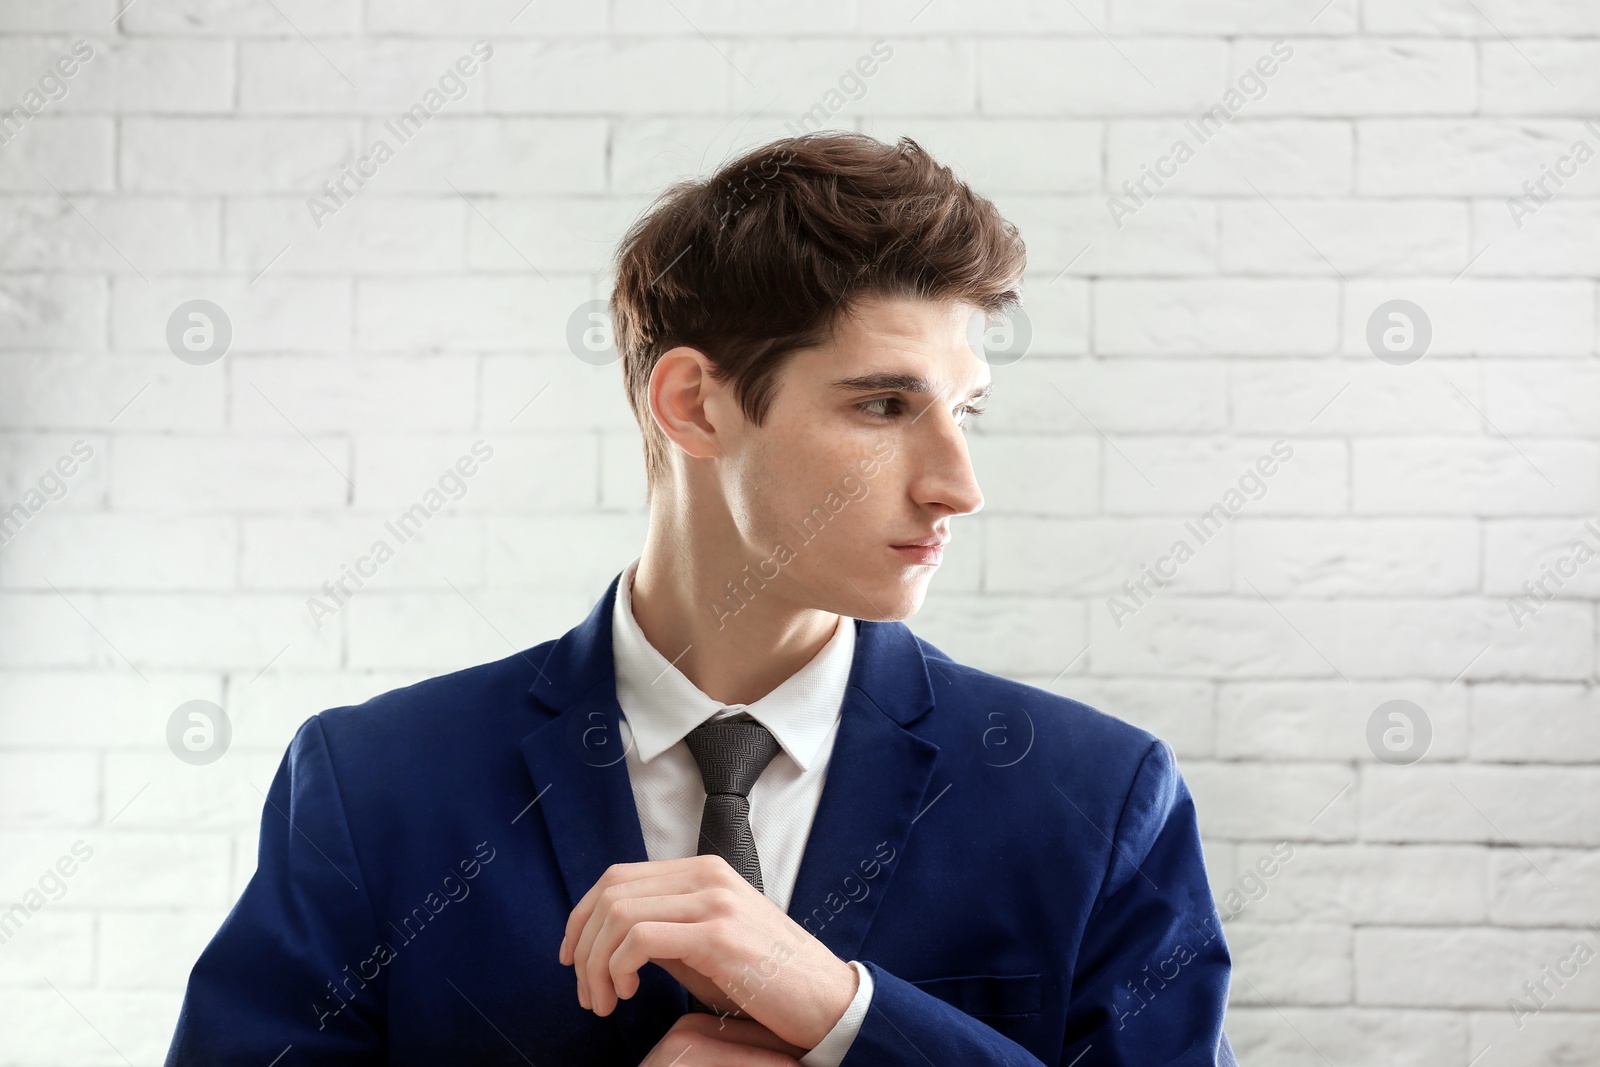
<point>1154,916</point>
<point>291,963</point>
<point>1151,982</point>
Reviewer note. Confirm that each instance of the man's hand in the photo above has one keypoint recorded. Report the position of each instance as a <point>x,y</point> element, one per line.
<point>697,918</point>
<point>700,1040</point>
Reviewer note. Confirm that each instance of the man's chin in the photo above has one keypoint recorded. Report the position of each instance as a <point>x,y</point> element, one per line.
<point>895,600</point>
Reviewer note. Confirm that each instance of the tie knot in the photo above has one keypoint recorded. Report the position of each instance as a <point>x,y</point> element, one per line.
<point>731,754</point>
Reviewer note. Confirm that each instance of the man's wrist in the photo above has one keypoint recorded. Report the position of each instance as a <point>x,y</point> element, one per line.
<point>842,995</point>
<point>838,1042</point>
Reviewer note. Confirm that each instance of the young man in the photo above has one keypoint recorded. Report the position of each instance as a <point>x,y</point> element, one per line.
<point>741,814</point>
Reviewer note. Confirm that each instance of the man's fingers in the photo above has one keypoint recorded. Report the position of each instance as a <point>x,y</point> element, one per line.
<point>667,940</point>
<point>615,873</point>
<point>631,879</point>
<point>575,946</point>
<point>648,927</point>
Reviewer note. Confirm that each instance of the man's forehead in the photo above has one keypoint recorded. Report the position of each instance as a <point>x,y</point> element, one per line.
<point>909,345</point>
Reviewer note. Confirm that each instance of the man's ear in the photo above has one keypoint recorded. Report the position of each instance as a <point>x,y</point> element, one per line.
<point>680,385</point>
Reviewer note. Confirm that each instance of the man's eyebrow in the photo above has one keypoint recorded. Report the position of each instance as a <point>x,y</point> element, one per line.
<point>904,383</point>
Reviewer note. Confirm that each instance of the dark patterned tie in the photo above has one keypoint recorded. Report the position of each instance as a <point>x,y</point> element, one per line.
<point>731,754</point>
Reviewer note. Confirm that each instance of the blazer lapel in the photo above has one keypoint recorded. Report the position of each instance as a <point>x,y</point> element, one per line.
<point>577,758</point>
<point>875,787</point>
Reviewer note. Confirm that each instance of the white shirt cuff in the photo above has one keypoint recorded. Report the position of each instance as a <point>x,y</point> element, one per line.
<point>831,1049</point>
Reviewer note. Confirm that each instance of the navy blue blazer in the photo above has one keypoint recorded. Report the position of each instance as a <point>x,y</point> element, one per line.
<point>1021,874</point>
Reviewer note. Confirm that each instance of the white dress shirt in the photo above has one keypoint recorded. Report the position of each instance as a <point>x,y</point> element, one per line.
<point>660,706</point>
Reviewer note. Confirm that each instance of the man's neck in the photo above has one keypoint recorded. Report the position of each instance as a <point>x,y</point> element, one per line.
<point>736,650</point>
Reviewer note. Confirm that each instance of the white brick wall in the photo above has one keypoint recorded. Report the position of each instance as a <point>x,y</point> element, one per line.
<point>1228,312</point>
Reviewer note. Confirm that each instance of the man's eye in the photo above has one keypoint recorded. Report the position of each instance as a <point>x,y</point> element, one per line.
<point>870,406</point>
<point>968,411</point>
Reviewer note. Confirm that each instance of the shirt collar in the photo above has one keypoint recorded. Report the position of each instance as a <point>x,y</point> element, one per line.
<point>662,705</point>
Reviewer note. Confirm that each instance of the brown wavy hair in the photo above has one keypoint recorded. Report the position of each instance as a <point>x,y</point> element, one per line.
<point>762,259</point>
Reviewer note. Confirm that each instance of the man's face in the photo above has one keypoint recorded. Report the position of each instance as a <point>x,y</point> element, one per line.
<point>863,449</point>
